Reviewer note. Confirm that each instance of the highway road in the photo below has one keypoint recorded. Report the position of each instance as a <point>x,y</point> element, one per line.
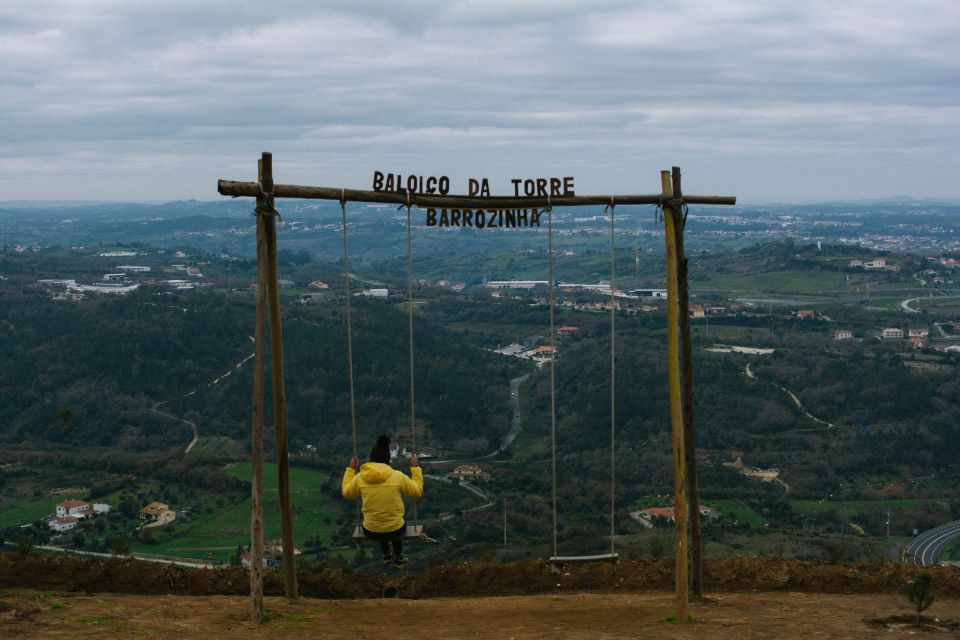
<point>511,435</point>
<point>926,547</point>
<point>514,422</point>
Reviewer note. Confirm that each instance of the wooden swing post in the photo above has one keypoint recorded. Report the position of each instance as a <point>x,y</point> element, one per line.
<point>686,367</point>
<point>268,214</point>
<point>256,486</point>
<point>671,217</point>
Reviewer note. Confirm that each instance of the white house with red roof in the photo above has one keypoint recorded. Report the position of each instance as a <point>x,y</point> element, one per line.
<point>63,523</point>
<point>646,516</point>
<point>81,509</point>
<point>71,508</point>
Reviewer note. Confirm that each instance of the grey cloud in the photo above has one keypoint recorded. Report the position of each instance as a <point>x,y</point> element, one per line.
<point>766,100</point>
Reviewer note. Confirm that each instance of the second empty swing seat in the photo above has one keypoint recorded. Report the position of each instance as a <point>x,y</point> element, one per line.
<point>413,532</point>
<point>603,557</point>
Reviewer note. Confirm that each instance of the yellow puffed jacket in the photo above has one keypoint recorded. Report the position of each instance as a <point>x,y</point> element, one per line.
<point>381,486</point>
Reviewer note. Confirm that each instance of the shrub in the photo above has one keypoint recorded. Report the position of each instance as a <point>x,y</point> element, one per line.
<point>24,545</point>
<point>657,547</point>
<point>918,592</point>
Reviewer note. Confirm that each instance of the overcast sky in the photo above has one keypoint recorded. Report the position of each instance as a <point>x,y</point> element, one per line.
<point>769,101</point>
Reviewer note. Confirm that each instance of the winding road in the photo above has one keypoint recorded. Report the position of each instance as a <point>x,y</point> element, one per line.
<point>515,420</point>
<point>193,425</point>
<point>796,401</point>
<point>905,305</point>
<point>926,547</point>
<point>511,435</point>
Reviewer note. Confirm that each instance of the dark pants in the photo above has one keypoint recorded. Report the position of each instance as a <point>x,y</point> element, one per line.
<point>387,538</point>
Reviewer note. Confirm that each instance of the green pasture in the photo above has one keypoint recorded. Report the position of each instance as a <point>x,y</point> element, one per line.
<point>739,511</point>
<point>943,305</point>
<point>220,533</point>
<point>25,511</point>
<point>951,551</point>
<point>893,304</point>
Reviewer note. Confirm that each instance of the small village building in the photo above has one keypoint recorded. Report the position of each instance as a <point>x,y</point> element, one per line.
<point>544,351</point>
<point>71,507</point>
<point>657,512</point>
<point>843,334</point>
<point>856,262</point>
<point>270,560</point>
<point>63,523</point>
<point>918,332</point>
<point>374,293</point>
<point>272,556</point>
<point>697,311</point>
<point>320,285</point>
<point>469,472</point>
<point>311,298</point>
<point>805,313</point>
<point>667,512</point>
<point>709,512</point>
<point>567,330</point>
<point>514,284</point>
<point>650,293</point>
<point>892,333</point>
<point>157,514</point>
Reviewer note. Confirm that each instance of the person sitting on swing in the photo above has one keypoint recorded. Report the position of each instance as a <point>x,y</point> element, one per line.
<point>381,487</point>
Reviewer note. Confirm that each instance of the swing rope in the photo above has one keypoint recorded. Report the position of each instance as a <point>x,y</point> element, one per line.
<point>553,382</point>
<point>346,289</point>
<point>358,535</point>
<point>413,411</point>
<point>613,372</point>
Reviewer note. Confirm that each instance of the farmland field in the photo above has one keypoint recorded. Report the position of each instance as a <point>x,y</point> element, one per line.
<point>850,507</point>
<point>777,282</point>
<point>739,511</point>
<point>220,533</point>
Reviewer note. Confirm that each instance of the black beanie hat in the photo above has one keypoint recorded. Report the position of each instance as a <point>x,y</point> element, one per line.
<point>381,450</point>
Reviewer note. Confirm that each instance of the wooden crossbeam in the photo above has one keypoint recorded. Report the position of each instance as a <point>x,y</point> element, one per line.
<point>680,373</point>
<point>252,190</point>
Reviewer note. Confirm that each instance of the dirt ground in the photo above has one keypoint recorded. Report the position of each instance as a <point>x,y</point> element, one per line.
<point>469,579</point>
<point>597,616</point>
<point>69,597</point>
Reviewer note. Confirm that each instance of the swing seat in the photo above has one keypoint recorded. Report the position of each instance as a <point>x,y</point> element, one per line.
<point>413,532</point>
<point>603,557</point>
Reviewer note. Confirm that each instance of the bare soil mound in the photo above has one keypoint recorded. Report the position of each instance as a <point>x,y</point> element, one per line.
<point>571,616</point>
<point>129,576</point>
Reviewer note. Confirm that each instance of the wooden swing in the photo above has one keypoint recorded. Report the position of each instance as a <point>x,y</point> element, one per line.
<point>612,556</point>
<point>413,530</point>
